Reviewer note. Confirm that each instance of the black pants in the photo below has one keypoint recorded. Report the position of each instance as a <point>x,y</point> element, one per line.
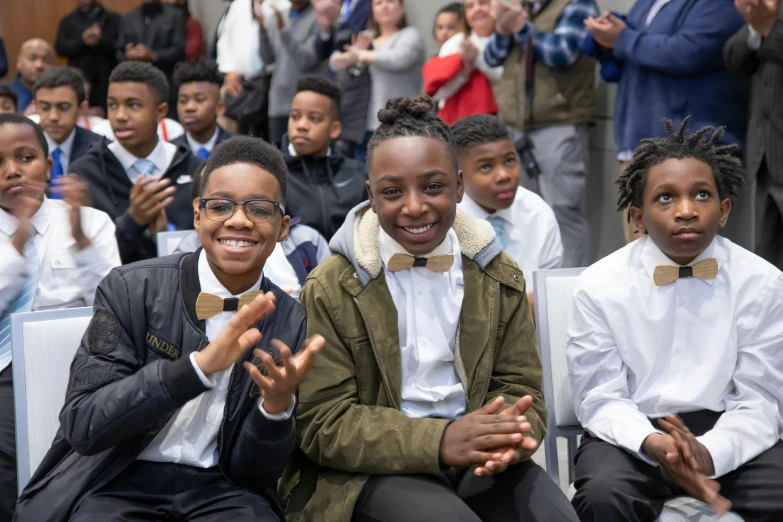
<point>8,486</point>
<point>153,491</point>
<point>613,485</point>
<point>523,492</point>
<point>769,218</point>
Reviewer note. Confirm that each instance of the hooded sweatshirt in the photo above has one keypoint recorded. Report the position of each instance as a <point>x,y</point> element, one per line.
<point>321,191</point>
<point>110,188</point>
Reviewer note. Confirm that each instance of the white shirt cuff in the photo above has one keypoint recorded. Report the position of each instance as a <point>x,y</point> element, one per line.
<point>209,383</point>
<point>754,39</point>
<point>283,415</point>
<point>720,450</point>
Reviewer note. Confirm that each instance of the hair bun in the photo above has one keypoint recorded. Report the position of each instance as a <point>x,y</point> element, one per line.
<point>398,108</point>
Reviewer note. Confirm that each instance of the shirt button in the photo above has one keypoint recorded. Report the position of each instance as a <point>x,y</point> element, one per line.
<point>678,350</point>
<point>419,291</point>
<point>682,302</point>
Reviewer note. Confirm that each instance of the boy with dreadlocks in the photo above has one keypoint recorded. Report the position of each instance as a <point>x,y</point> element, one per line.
<point>674,348</point>
<point>428,337</point>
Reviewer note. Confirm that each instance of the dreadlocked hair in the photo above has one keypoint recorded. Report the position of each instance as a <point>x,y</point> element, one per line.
<point>411,117</point>
<point>680,144</point>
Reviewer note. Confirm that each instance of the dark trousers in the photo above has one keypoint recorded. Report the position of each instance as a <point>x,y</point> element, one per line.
<point>523,492</point>
<point>769,218</point>
<point>613,485</point>
<point>153,491</point>
<point>8,486</point>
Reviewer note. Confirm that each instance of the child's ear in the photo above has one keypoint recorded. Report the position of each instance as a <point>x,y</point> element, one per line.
<point>337,129</point>
<point>370,196</point>
<point>284,227</point>
<point>83,106</point>
<point>220,108</point>
<point>460,186</point>
<point>725,209</point>
<point>196,214</point>
<point>637,218</point>
<point>49,163</point>
<point>163,110</point>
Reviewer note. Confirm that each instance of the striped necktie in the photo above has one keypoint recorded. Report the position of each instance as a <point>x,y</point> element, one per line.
<point>23,303</point>
<point>500,230</point>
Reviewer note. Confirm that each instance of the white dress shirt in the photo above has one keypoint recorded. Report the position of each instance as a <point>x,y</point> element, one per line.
<point>531,230</point>
<point>161,156</point>
<point>67,278</point>
<point>239,41</point>
<point>190,437</point>
<point>65,149</point>
<point>196,146</point>
<point>428,308</point>
<point>168,129</point>
<point>636,350</point>
<point>754,39</point>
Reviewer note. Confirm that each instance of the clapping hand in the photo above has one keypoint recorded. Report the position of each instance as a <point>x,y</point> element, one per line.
<point>139,53</point>
<point>469,54</point>
<point>25,206</point>
<point>510,455</point>
<point>327,12</point>
<point>605,29</point>
<point>280,382</point>
<point>509,18</point>
<point>761,15</point>
<point>148,197</point>
<point>92,35</point>
<point>76,193</point>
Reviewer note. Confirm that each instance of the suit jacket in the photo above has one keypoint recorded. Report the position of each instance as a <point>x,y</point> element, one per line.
<point>95,62</point>
<point>765,66</point>
<point>82,141</point>
<point>165,35</point>
<point>223,135</point>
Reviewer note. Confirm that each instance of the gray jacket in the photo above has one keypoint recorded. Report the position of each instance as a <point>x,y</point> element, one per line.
<point>292,51</point>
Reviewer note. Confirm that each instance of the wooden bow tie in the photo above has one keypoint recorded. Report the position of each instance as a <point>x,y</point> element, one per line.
<point>667,274</point>
<point>399,262</point>
<point>209,305</point>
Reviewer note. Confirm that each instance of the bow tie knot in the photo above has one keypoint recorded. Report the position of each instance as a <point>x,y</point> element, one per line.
<point>666,274</point>
<point>399,262</point>
<point>210,305</point>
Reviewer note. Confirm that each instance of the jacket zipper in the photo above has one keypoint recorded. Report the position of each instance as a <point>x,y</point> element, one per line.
<point>495,320</point>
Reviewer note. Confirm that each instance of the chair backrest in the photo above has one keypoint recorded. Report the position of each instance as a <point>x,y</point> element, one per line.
<point>553,291</point>
<point>43,345</point>
<point>169,241</point>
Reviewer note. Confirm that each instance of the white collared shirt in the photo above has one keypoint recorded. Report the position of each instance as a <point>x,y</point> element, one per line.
<point>636,350</point>
<point>531,230</point>
<point>655,9</point>
<point>196,146</point>
<point>65,149</point>
<point>67,278</point>
<point>239,41</point>
<point>161,156</point>
<point>190,436</point>
<point>428,308</point>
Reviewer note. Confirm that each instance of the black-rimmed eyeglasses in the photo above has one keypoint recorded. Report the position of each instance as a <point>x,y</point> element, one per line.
<point>256,210</point>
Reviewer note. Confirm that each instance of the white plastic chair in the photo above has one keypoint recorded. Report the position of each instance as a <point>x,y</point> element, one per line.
<point>43,345</point>
<point>168,241</point>
<point>554,295</point>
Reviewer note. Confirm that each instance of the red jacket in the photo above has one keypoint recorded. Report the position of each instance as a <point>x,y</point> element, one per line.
<point>475,97</point>
<point>194,40</point>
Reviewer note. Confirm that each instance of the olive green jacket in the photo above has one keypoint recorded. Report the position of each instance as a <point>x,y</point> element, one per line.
<point>349,423</point>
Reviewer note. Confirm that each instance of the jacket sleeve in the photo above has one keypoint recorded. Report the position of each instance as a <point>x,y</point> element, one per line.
<point>302,52</point>
<point>772,46</point>
<point>266,48</point>
<point>264,445</point>
<point>109,33</point>
<point>67,44</point>
<point>324,48</point>
<point>695,48</point>
<point>169,56</point>
<point>408,51</point>
<point>517,371</point>
<point>740,59</point>
<point>121,41</point>
<point>113,394</point>
<point>339,432</point>
<point>440,72</point>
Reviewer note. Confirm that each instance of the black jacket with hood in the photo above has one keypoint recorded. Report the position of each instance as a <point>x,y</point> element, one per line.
<point>132,373</point>
<point>110,187</point>
<point>322,191</point>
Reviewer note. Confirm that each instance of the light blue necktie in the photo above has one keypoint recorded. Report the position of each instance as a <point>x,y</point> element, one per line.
<point>144,167</point>
<point>202,154</point>
<point>347,12</point>
<point>57,171</point>
<point>500,230</point>
<point>23,303</point>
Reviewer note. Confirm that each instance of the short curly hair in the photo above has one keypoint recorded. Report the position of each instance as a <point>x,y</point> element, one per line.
<point>680,144</point>
<point>411,117</point>
<point>142,72</point>
<point>249,150</point>
<point>200,71</point>
<point>324,87</point>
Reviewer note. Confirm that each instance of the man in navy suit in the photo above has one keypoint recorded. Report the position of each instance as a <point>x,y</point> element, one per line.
<point>60,99</point>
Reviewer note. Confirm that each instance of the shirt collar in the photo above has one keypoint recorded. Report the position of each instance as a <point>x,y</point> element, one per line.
<point>210,284</point>
<point>39,221</point>
<point>388,246</point>
<point>209,145</point>
<point>65,147</point>
<point>652,256</point>
<point>293,154</point>
<point>157,156</point>
<point>475,210</point>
